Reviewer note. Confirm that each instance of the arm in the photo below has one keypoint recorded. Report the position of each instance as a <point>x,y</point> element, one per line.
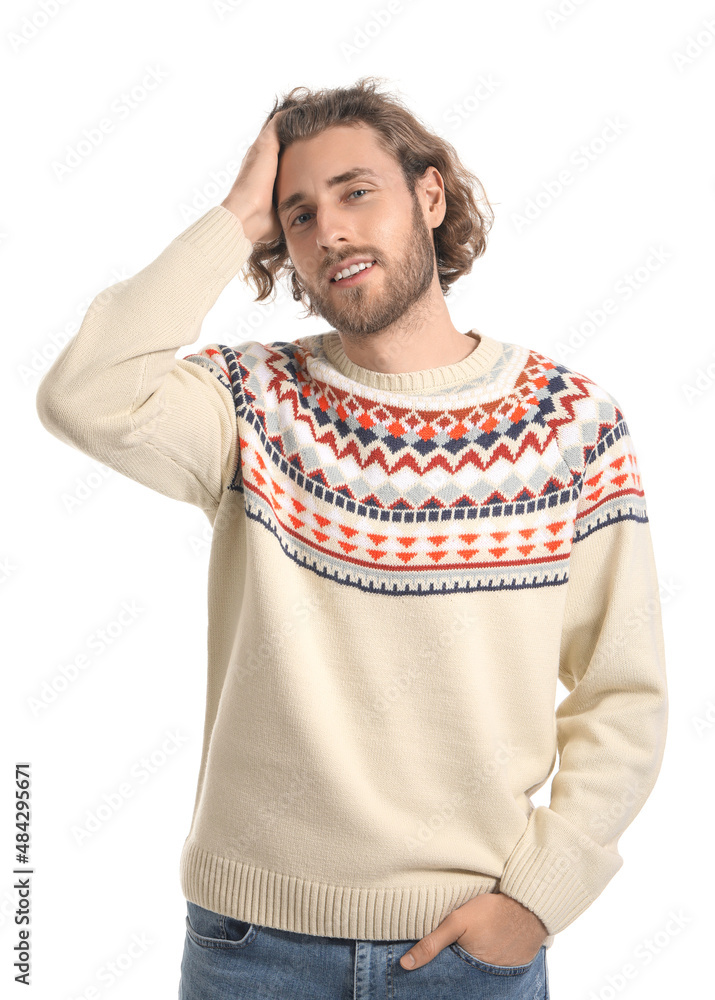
<point>611,727</point>
<point>117,392</point>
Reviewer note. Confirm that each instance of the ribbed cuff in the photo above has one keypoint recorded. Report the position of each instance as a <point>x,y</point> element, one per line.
<point>219,235</point>
<point>559,881</point>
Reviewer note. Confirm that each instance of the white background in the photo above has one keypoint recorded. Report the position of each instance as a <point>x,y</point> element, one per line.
<point>79,541</point>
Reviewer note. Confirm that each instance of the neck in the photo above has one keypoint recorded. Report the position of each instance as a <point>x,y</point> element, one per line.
<point>424,337</point>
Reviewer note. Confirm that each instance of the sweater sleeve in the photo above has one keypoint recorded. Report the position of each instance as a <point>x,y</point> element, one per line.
<point>611,727</point>
<point>117,391</point>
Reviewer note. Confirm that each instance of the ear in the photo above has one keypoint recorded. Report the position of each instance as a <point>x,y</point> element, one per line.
<point>430,189</point>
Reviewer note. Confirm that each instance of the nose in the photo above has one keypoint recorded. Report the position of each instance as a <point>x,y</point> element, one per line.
<point>331,228</point>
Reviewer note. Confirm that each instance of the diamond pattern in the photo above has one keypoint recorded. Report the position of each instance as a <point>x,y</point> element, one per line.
<point>475,488</point>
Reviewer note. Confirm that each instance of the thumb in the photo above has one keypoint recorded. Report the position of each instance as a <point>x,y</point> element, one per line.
<point>431,945</point>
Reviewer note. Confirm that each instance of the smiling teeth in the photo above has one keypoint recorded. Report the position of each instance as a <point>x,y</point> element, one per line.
<point>353,269</point>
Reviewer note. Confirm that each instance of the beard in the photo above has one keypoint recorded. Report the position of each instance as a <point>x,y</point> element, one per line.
<point>360,310</point>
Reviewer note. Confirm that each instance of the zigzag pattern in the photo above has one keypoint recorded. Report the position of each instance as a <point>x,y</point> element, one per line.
<point>485,485</point>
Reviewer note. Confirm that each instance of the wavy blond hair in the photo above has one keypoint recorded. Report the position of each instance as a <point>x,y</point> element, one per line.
<point>458,240</point>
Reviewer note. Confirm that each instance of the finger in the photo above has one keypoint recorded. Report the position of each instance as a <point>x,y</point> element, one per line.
<point>430,945</point>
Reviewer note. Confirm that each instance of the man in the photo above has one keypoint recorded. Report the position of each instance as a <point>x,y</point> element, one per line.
<point>416,532</point>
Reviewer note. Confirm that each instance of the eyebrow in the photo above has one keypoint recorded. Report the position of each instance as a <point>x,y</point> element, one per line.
<point>294,199</point>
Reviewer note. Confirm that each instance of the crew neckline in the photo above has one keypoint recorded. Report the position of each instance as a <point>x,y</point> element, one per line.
<point>479,361</point>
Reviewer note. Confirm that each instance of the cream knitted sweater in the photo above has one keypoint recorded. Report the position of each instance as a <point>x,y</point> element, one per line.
<point>402,565</point>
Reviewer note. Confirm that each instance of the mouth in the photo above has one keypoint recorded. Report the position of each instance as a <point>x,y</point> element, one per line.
<point>354,279</point>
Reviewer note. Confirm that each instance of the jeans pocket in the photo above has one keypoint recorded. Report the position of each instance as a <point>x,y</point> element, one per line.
<point>217,930</point>
<point>495,970</point>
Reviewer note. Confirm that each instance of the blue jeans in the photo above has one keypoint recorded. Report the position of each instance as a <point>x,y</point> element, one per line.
<point>228,959</point>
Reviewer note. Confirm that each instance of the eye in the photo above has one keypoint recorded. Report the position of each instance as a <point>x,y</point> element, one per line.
<point>356,191</point>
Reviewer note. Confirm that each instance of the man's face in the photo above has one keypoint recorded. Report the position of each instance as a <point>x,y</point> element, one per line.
<point>368,216</point>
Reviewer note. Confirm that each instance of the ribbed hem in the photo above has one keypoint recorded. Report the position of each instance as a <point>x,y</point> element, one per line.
<point>289,903</point>
<point>219,235</point>
<point>480,361</point>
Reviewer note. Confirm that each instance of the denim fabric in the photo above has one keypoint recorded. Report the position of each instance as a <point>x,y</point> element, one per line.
<point>228,959</point>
